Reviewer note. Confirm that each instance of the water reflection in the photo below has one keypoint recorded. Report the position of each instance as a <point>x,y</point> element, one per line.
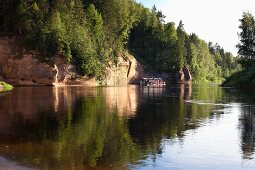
<point>67,128</point>
<point>108,127</point>
<point>123,100</point>
<point>247,126</point>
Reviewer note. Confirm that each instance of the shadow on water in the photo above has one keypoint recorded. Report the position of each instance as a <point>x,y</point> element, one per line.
<point>107,127</point>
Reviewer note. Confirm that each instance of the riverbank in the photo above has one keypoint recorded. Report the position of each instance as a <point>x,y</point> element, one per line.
<point>5,87</point>
<point>243,80</point>
<point>21,66</point>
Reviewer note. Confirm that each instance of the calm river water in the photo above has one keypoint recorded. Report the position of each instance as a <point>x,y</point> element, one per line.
<point>176,127</point>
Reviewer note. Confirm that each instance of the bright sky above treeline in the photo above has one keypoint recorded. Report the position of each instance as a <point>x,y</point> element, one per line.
<point>211,20</point>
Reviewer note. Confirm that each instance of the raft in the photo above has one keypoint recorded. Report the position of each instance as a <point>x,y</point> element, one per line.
<point>152,81</point>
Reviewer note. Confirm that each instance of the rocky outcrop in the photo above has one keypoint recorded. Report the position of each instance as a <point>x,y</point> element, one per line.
<point>127,71</point>
<point>186,72</point>
<point>19,66</point>
<point>28,71</point>
<point>184,76</point>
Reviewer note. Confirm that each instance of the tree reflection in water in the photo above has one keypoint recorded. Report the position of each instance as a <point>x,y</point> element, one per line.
<point>247,126</point>
<point>104,127</point>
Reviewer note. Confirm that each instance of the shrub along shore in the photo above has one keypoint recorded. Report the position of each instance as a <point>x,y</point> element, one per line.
<point>5,87</point>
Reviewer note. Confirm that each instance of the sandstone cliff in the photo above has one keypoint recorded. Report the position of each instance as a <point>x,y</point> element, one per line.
<point>127,71</point>
<point>19,66</point>
<point>187,75</point>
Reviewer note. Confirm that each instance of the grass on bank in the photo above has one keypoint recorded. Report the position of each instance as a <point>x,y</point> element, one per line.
<point>6,86</point>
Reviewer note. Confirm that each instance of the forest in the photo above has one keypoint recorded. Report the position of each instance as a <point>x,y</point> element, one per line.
<point>91,33</point>
<point>245,79</point>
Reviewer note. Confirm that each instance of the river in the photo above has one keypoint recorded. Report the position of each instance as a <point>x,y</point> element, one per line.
<point>177,127</point>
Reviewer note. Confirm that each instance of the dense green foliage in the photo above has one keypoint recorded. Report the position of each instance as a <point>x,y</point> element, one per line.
<point>64,27</point>
<point>163,48</point>
<point>91,33</point>
<point>246,46</point>
<point>5,86</point>
<point>245,79</point>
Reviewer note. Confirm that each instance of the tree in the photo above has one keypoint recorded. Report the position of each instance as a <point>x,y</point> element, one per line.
<point>8,15</point>
<point>246,46</point>
<point>96,27</point>
<point>58,36</point>
<point>181,45</point>
<point>118,20</point>
<point>168,43</point>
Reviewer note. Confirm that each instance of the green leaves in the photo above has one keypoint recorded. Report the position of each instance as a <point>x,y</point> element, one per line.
<point>164,48</point>
<point>90,34</point>
<point>5,86</point>
<point>246,46</point>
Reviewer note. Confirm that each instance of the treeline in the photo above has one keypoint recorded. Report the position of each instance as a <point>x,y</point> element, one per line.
<point>91,33</point>
<point>164,48</point>
<point>245,79</point>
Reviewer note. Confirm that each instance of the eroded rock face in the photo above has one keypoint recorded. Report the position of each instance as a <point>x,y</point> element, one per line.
<point>136,71</point>
<point>19,66</point>
<point>28,71</point>
<point>187,75</point>
<point>127,71</point>
<point>66,74</point>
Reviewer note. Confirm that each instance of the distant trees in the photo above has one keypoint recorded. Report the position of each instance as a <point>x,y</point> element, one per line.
<point>164,48</point>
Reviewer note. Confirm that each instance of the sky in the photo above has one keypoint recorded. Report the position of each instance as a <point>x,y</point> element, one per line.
<point>212,20</point>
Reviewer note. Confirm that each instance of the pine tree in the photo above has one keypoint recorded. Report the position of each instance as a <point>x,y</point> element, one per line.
<point>95,23</point>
